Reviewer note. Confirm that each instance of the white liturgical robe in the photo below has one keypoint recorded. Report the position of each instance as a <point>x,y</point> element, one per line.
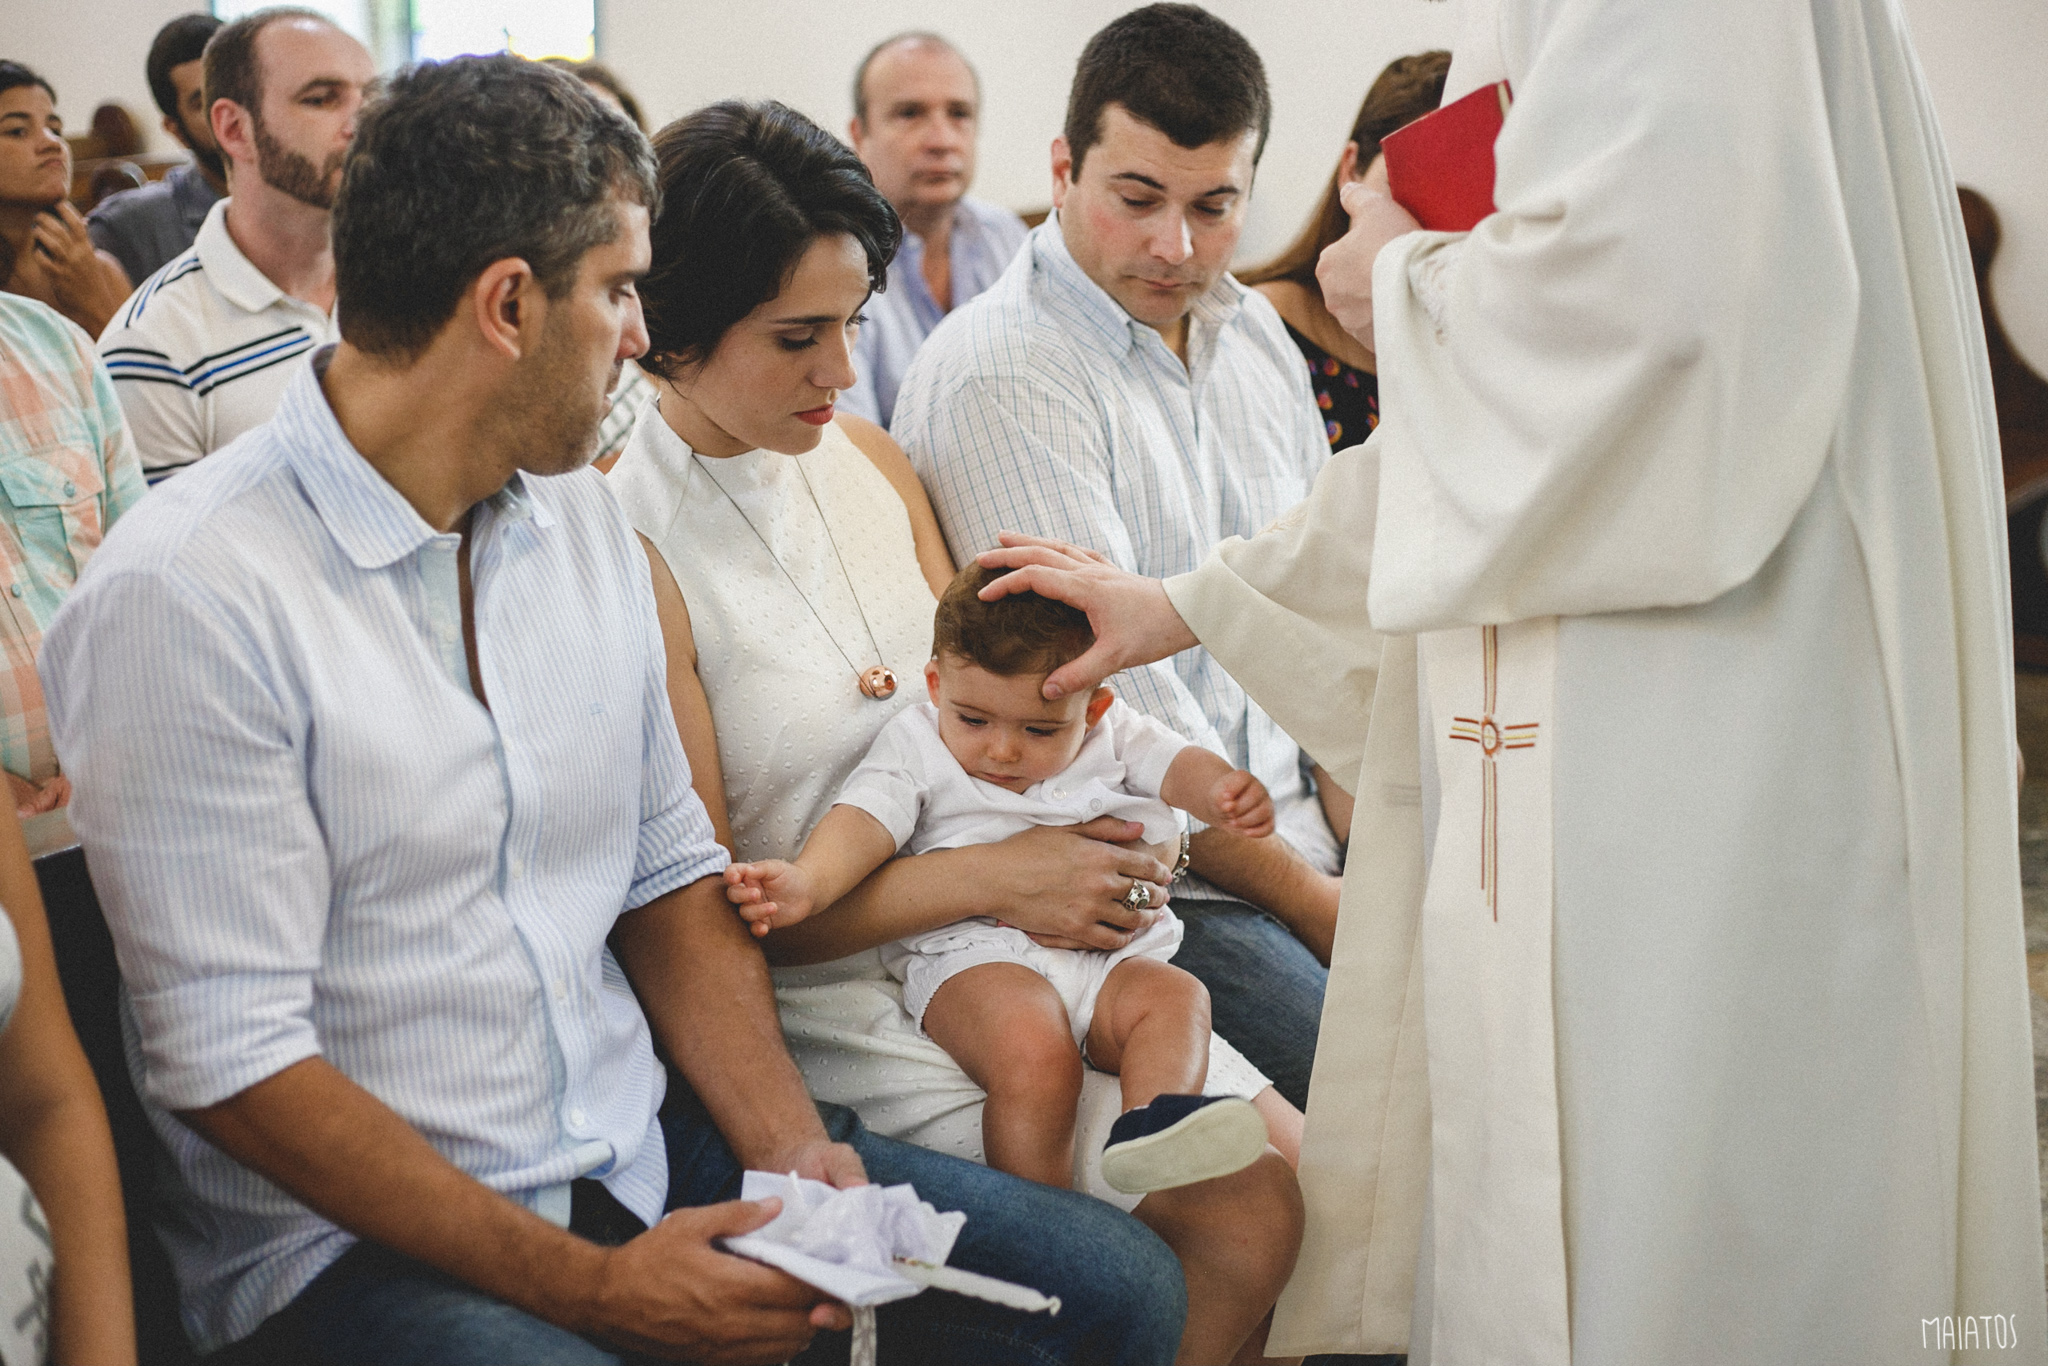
<point>1677,1011</point>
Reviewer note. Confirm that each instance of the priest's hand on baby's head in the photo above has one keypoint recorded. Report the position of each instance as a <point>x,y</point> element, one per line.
<point>770,894</point>
<point>1246,806</point>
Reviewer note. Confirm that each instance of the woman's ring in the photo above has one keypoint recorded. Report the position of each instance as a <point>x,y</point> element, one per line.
<point>1139,898</point>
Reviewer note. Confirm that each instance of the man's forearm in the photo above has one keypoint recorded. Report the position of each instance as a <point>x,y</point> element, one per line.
<point>704,985</point>
<point>1272,876</point>
<point>353,1160</point>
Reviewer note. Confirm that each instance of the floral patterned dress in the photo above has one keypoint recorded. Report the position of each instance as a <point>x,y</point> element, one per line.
<point>1348,396</point>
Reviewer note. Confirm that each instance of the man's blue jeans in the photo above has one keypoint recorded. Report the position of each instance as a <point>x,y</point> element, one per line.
<point>1120,1288</point>
<point>1265,987</point>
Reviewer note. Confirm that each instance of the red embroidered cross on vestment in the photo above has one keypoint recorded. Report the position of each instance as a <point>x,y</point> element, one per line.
<point>1491,737</point>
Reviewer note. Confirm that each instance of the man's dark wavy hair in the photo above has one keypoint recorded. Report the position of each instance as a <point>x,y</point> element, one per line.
<point>1176,67</point>
<point>745,190</point>
<point>465,162</point>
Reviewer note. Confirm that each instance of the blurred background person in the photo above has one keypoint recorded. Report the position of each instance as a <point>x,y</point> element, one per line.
<point>206,349</point>
<point>1342,370</point>
<point>67,472</point>
<point>145,227</point>
<point>916,115</point>
<point>634,390</point>
<point>45,251</point>
<point>54,1140</point>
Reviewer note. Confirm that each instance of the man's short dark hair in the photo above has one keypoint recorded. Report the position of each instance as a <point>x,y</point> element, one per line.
<point>13,75</point>
<point>916,35</point>
<point>1176,67</point>
<point>465,162</point>
<point>1017,635</point>
<point>178,42</point>
<point>745,190</point>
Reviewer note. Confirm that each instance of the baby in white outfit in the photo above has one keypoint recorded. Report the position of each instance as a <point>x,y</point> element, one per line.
<point>987,758</point>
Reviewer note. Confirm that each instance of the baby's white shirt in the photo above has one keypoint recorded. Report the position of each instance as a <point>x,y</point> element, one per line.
<point>913,785</point>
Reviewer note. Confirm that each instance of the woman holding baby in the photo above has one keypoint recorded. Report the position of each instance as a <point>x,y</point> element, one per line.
<point>797,564</point>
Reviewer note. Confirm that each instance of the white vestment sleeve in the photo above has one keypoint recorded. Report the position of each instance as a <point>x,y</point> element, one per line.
<point>1629,387</point>
<point>1285,613</point>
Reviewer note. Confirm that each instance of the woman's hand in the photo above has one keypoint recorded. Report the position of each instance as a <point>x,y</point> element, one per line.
<point>1345,268</point>
<point>89,288</point>
<point>1065,886</point>
<point>1135,622</point>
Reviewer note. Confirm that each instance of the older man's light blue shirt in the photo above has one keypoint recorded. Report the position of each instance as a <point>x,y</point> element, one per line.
<point>1044,407</point>
<point>985,239</point>
<point>311,839</point>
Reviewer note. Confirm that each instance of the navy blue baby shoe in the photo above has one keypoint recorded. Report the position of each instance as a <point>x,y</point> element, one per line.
<point>1179,1140</point>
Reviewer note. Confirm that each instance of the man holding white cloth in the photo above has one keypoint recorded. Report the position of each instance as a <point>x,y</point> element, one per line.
<point>1686,812</point>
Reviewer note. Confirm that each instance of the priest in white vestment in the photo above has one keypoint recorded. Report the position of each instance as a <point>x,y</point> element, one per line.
<point>1678,1007</point>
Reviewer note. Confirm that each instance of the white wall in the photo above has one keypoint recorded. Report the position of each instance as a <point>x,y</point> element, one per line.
<point>679,54</point>
<point>1986,62</point>
<point>92,51</point>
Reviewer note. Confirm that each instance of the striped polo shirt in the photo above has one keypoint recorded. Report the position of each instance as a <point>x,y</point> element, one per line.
<point>204,349</point>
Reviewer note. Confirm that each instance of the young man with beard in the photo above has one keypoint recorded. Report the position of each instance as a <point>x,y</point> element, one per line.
<point>205,348</point>
<point>369,723</point>
<point>146,227</point>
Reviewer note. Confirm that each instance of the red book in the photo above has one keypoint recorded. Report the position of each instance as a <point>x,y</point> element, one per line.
<point>1440,167</point>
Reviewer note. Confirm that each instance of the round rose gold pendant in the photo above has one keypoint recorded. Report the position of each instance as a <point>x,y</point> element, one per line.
<point>878,682</point>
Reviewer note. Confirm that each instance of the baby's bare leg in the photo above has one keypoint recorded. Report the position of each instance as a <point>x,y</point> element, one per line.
<point>1151,1028</point>
<point>1006,1027</point>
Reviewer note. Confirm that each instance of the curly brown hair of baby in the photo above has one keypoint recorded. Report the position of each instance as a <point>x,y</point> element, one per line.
<point>1021,633</point>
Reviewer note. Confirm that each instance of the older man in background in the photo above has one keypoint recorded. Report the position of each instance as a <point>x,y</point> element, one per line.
<point>206,347</point>
<point>916,112</point>
<point>146,227</point>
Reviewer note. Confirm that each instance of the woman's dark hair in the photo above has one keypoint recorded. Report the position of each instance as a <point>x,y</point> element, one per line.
<point>594,72</point>
<point>1409,88</point>
<point>745,190</point>
<point>13,75</point>
<point>1176,67</point>
<point>465,162</point>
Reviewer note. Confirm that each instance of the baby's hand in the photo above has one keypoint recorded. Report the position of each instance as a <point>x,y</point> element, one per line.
<point>769,894</point>
<point>1244,804</point>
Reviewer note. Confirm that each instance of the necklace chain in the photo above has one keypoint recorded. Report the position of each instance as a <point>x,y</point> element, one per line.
<point>830,540</point>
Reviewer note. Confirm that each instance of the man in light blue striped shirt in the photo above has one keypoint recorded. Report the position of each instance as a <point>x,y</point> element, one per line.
<point>916,115</point>
<point>381,787</point>
<point>1116,389</point>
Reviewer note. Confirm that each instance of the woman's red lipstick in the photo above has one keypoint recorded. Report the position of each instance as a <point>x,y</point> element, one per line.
<point>817,417</point>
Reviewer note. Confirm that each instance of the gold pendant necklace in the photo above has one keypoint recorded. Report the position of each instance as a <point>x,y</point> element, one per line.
<point>878,681</point>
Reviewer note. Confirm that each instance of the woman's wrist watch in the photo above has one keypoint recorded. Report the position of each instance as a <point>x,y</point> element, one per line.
<point>1180,865</point>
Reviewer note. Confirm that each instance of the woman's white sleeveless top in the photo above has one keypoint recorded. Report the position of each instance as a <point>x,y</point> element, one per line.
<point>798,571</point>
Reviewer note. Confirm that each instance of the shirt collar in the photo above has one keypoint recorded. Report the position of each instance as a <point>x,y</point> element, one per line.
<point>1103,317</point>
<point>368,518</point>
<point>227,270</point>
